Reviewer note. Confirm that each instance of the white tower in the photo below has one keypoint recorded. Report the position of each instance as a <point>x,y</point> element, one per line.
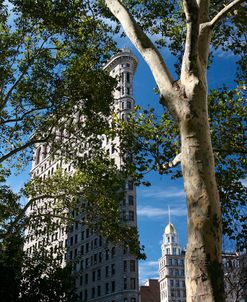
<point>171,268</point>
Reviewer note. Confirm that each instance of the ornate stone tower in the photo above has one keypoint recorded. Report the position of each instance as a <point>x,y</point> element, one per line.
<point>171,268</point>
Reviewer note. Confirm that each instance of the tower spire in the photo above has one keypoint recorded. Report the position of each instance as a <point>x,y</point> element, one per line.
<point>169,214</point>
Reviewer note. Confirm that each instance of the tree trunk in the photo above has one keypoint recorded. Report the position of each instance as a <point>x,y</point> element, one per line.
<point>203,256</point>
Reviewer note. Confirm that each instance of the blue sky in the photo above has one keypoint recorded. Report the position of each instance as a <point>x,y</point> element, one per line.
<point>153,202</point>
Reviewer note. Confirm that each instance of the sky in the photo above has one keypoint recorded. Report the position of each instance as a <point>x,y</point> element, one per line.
<point>153,202</point>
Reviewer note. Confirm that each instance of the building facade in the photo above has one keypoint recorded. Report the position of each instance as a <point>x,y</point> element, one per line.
<point>150,291</point>
<point>104,272</point>
<point>171,268</point>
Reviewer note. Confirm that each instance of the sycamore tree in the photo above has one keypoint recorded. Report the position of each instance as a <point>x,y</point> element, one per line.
<point>188,29</point>
<point>186,99</point>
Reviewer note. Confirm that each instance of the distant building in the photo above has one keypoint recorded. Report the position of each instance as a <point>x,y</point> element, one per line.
<point>235,277</point>
<point>171,268</point>
<point>150,292</point>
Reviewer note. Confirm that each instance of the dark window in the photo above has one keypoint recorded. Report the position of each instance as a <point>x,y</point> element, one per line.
<point>95,258</point>
<point>107,288</point>
<point>99,290</point>
<point>113,252</point>
<point>71,240</point>
<point>130,185</point>
<point>93,292</point>
<point>125,283</point>
<point>98,274</point>
<point>113,286</point>
<point>82,249</point>
<point>131,216</point>
<point>127,77</point>
<point>128,90</point>
<point>100,257</point>
<point>87,233</point>
<point>113,269</point>
<point>86,279</point>
<point>132,283</point>
<point>107,271</point>
<point>131,200</point>
<point>132,265</point>
<point>95,242</point>
<point>85,295</point>
<point>93,276</point>
<point>129,106</point>
<point>82,235</point>
<point>107,254</point>
<point>76,238</point>
<point>125,266</point>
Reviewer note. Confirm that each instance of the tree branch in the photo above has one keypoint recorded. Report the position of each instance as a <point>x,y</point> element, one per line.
<point>171,164</point>
<point>190,58</point>
<point>224,12</point>
<point>145,46</point>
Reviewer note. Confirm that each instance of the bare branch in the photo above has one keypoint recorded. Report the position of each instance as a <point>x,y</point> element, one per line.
<point>171,164</point>
<point>224,12</point>
<point>145,46</point>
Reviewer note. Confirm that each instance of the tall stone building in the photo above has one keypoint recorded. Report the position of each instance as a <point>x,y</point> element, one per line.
<point>171,268</point>
<point>104,272</point>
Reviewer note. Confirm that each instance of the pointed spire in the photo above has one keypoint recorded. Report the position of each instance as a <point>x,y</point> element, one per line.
<point>169,214</point>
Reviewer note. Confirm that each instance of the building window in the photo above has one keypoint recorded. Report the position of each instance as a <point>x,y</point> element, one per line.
<point>131,200</point>
<point>128,77</point>
<point>98,274</point>
<point>107,271</point>
<point>113,269</point>
<point>171,282</point>
<point>93,276</point>
<point>132,283</point>
<point>128,90</point>
<point>129,105</point>
<point>93,292</point>
<point>37,156</point>
<point>86,279</point>
<point>99,290</point>
<point>125,266</point>
<point>125,283</point>
<point>113,286</point>
<point>107,254</point>
<point>131,216</point>
<point>107,288</point>
<point>132,266</point>
<point>113,252</point>
<point>82,250</point>
<point>82,235</point>
<point>130,185</point>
